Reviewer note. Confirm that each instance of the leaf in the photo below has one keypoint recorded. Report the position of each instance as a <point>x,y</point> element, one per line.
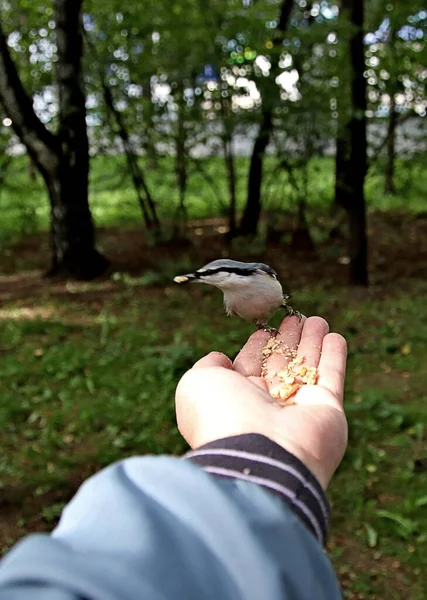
<point>406,526</point>
<point>90,385</point>
<point>422,501</point>
<point>52,512</point>
<point>371,535</point>
<point>405,349</point>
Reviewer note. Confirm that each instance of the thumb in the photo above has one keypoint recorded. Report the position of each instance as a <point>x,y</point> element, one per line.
<point>214,359</point>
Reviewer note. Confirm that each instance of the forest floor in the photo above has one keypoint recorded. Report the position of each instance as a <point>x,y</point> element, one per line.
<point>89,369</point>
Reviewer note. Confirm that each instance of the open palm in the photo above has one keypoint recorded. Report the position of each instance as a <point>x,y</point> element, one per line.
<point>217,398</point>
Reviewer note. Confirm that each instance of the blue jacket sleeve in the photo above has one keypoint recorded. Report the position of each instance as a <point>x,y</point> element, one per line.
<point>163,528</point>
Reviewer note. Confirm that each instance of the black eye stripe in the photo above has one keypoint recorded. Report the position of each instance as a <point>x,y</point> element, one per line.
<point>208,272</point>
<point>236,271</point>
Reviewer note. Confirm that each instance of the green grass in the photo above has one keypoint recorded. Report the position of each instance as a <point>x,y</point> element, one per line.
<point>89,381</point>
<point>24,204</point>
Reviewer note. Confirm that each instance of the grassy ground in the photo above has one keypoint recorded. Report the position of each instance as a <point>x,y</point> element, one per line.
<point>88,379</point>
<point>88,375</point>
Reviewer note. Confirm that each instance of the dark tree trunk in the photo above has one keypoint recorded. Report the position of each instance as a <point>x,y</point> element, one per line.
<point>72,232</point>
<point>343,181</point>
<point>395,84</point>
<point>181,161</point>
<point>389,186</point>
<point>231,178</point>
<point>251,214</point>
<point>62,159</point>
<point>252,211</point>
<point>351,159</point>
<point>227,147</point>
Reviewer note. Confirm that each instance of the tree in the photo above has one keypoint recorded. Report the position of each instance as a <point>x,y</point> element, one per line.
<point>119,129</point>
<point>395,57</point>
<point>62,158</point>
<point>351,152</point>
<point>251,214</point>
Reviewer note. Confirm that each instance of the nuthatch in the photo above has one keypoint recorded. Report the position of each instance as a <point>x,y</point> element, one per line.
<point>251,290</point>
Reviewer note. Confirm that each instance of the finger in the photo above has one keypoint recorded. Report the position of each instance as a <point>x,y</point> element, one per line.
<point>249,360</point>
<point>287,343</point>
<point>214,359</point>
<point>310,346</point>
<point>332,364</point>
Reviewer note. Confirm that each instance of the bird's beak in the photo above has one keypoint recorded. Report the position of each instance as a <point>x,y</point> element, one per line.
<point>185,278</point>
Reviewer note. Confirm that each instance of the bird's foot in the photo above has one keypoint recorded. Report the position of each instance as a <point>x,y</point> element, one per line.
<point>291,312</point>
<point>266,327</point>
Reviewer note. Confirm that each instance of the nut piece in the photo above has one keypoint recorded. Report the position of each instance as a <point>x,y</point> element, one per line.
<point>292,377</point>
<point>275,392</point>
<point>286,391</point>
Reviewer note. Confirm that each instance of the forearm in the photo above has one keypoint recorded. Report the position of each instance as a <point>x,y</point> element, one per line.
<point>162,528</point>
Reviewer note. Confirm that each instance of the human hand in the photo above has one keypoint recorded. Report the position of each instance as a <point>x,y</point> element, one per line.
<point>217,398</point>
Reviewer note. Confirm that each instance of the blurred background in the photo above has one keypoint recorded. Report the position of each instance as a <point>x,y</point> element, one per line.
<point>139,140</point>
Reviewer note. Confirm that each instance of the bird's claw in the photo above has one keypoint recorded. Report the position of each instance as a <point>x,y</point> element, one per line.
<point>291,312</point>
<point>266,327</point>
<point>271,330</point>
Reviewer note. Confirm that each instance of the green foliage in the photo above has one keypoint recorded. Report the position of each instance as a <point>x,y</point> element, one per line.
<point>190,76</point>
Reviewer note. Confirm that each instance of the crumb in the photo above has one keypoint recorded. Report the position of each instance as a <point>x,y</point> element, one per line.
<point>292,377</point>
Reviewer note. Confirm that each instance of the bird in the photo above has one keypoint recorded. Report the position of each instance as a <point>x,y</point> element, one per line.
<point>251,290</point>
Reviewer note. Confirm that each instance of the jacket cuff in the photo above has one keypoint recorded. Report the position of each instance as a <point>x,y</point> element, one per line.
<point>255,458</point>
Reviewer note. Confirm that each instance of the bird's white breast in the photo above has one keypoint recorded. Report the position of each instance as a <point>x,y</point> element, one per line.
<point>254,301</point>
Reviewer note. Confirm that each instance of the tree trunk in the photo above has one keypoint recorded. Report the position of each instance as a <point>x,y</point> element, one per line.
<point>72,232</point>
<point>343,170</point>
<point>351,157</point>
<point>231,178</point>
<point>227,147</point>
<point>252,211</point>
<point>62,159</point>
<point>358,246</point>
<point>389,187</point>
<point>181,160</point>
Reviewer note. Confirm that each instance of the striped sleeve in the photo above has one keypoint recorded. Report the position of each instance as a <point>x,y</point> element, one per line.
<point>255,458</point>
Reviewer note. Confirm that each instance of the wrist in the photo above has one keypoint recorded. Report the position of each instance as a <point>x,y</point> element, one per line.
<point>259,460</point>
<point>313,465</point>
